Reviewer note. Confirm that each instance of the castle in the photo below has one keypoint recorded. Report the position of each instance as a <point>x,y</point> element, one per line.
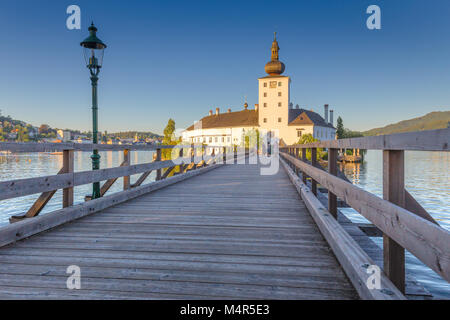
<point>274,114</point>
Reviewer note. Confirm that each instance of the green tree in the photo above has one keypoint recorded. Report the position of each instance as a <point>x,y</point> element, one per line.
<point>169,139</point>
<point>340,128</point>
<point>308,138</point>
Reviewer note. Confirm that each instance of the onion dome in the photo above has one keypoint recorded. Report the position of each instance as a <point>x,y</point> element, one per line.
<point>274,67</point>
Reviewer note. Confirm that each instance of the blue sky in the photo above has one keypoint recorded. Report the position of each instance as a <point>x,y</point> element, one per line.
<point>180,59</point>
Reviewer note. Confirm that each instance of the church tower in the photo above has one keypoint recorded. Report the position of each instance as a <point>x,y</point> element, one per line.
<point>274,95</point>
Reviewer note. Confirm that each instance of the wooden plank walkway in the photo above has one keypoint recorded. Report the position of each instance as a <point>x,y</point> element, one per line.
<point>226,234</point>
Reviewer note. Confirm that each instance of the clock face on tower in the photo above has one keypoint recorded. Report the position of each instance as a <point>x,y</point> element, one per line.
<point>273,84</point>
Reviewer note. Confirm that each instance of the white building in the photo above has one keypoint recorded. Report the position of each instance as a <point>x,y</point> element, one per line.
<point>274,114</point>
<point>64,136</point>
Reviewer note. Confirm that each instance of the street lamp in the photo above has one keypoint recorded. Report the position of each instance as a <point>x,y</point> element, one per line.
<point>93,54</point>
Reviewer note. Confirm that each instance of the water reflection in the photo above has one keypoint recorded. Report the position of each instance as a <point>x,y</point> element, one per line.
<point>28,165</point>
<point>427,179</point>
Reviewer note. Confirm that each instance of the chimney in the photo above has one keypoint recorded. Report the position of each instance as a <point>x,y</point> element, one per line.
<point>256,106</point>
<point>326,113</point>
<point>297,106</point>
<point>291,105</point>
<point>217,111</point>
<point>210,112</point>
<point>331,117</point>
<point>229,110</point>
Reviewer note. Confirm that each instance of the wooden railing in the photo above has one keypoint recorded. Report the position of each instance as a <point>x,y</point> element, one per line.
<point>188,158</point>
<point>404,223</point>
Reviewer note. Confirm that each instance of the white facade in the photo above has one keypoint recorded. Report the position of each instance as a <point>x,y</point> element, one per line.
<point>273,114</point>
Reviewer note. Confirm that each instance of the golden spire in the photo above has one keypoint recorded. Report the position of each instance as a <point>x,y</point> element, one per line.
<point>275,47</point>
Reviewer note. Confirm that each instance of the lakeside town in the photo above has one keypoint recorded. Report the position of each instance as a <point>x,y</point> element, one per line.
<point>12,130</point>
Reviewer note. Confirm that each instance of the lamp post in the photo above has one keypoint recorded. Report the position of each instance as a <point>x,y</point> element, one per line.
<point>93,54</point>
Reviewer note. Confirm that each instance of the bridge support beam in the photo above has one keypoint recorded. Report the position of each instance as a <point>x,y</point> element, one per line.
<point>126,161</point>
<point>68,167</point>
<point>332,169</point>
<point>314,163</point>
<point>394,191</point>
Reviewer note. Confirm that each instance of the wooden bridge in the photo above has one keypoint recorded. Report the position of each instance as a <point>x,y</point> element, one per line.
<point>219,229</point>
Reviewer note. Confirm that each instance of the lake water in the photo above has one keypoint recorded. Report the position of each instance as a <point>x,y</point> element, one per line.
<point>427,179</point>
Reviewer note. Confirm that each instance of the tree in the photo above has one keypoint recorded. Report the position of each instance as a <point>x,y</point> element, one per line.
<point>340,128</point>
<point>308,138</point>
<point>169,139</point>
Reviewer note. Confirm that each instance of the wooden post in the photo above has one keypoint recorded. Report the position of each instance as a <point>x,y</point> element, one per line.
<point>394,191</point>
<point>193,154</point>
<point>297,150</point>
<point>304,160</point>
<point>235,154</point>
<point>314,163</point>
<point>332,169</point>
<point>126,160</point>
<point>68,167</point>
<point>181,166</point>
<point>224,155</point>
<point>158,158</point>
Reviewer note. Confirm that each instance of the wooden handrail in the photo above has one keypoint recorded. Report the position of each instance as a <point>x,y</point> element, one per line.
<point>430,140</point>
<point>426,240</point>
<point>51,147</point>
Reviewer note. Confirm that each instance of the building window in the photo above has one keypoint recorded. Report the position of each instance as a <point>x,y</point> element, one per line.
<point>265,105</point>
<point>299,133</point>
<point>279,119</point>
<point>223,139</point>
<point>216,140</point>
<point>279,104</point>
<point>265,94</point>
<point>229,139</point>
<point>279,94</point>
<point>265,120</point>
<point>265,84</point>
<point>210,139</point>
<point>279,84</point>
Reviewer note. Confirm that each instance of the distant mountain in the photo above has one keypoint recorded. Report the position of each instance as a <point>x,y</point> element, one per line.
<point>430,121</point>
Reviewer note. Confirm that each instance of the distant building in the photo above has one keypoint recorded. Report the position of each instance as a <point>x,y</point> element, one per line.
<point>64,136</point>
<point>273,115</point>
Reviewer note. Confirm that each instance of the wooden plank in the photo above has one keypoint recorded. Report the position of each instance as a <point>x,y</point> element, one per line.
<point>350,255</point>
<point>22,187</point>
<point>394,191</point>
<point>412,205</point>
<point>87,147</point>
<point>68,167</point>
<point>430,140</point>
<point>108,183</point>
<point>427,241</point>
<point>141,179</point>
<point>23,229</point>
<point>38,205</point>
<point>332,169</point>
<point>304,176</point>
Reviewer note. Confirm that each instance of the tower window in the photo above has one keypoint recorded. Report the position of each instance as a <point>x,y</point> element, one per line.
<point>279,104</point>
<point>265,94</point>
<point>299,133</point>
<point>279,94</point>
<point>265,84</point>
<point>279,84</point>
<point>265,105</point>
<point>279,119</point>
<point>265,120</point>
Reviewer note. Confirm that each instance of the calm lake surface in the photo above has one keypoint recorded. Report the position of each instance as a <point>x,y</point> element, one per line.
<point>427,179</point>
